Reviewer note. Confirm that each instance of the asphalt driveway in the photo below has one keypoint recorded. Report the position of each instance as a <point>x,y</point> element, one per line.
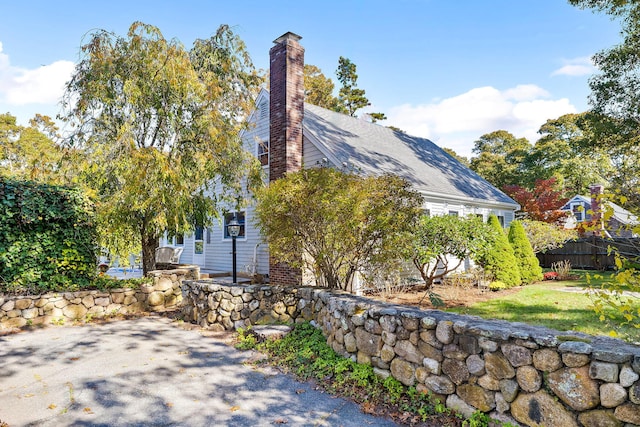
<point>151,372</point>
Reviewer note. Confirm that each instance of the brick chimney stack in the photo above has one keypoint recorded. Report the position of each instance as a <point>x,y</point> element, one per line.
<point>286,107</point>
<point>286,104</point>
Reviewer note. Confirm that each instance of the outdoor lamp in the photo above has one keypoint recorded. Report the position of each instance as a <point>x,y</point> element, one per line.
<point>233,228</point>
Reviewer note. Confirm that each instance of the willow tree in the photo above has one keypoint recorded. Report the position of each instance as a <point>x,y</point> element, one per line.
<point>159,124</point>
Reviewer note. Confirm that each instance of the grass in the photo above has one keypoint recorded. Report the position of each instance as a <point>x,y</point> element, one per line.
<point>560,305</point>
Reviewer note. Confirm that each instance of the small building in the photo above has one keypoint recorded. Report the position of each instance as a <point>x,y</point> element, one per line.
<point>603,218</point>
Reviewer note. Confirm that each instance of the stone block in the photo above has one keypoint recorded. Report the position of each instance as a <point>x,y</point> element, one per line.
<point>509,389</point>
<point>350,344</point>
<point>607,372</point>
<point>547,360</point>
<point>432,366</point>
<point>163,284</point>
<point>529,379</point>
<point>444,332</point>
<point>74,311</point>
<point>23,303</point>
<point>541,409</point>
<point>489,383</point>
<point>575,388</point>
<point>628,413</point>
<point>15,322</point>
<point>117,297</point>
<point>440,384</point>
<point>456,370</point>
<point>408,351</point>
<point>575,360</point>
<point>599,418</point>
<point>517,355</point>
<point>430,351</point>
<point>30,313</point>
<point>628,376</point>
<point>155,299</point>
<point>455,403</point>
<point>475,365</point>
<point>88,301</point>
<point>477,397</point>
<point>367,342</point>
<point>498,366</point>
<point>612,395</point>
<point>8,306</point>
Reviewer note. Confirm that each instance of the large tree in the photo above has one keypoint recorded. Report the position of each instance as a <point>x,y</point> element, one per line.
<point>318,88</point>
<point>159,124</point>
<point>334,224</point>
<point>30,153</point>
<point>499,158</point>
<point>565,152</point>
<point>615,96</point>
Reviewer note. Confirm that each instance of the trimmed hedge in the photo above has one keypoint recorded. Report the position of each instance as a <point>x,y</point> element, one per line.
<point>47,238</point>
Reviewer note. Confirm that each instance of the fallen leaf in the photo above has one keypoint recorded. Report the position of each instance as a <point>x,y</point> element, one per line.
<point>300,391</point>
<point>88,410</point>
<point>168,405</point>
<point>73,359</point>
<point>52,406</point>
<point>234,408</point>
<point>29,395</point>
<point>280,421</point>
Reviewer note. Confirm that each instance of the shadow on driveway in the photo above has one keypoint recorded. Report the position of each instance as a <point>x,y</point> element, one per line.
<point>149,372</point>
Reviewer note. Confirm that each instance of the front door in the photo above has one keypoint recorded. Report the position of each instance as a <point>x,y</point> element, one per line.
<point>198,246</point>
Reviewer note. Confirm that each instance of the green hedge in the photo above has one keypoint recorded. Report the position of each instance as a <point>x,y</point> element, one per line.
<point>47,238</point>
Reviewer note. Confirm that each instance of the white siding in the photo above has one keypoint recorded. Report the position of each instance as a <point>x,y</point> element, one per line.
<point>311,156</point>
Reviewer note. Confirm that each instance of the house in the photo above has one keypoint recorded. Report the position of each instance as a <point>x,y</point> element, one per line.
<point>288,134</point>
<point>587,210</point>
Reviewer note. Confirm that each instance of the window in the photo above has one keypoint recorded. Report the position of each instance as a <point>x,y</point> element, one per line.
<point>481,216</point>
<point>501,220</point>
<point>578,211</point>
<point>453,213</point>
<point>178,240</point>
<point>227,219</point>
<point>263,152</point>
<point>198,244</point>
<point>426,212</point>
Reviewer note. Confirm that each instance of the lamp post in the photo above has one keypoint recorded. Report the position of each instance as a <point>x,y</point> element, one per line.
<point>233,228</point>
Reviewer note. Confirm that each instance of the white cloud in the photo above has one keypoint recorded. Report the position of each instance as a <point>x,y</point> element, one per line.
<point>458,121</point>
<point>42,85</point>
<point>576,67</point>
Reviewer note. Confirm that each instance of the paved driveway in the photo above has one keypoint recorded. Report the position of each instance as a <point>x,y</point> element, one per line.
<point>150,372</point>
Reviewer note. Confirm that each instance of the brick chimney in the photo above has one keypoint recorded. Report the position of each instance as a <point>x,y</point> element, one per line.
<point>286,107</point>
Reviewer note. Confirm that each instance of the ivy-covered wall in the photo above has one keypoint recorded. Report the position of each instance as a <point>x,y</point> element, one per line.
<point>47,238</point>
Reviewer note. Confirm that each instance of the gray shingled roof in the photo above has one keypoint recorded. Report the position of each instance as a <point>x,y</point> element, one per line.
<point>376,149</point>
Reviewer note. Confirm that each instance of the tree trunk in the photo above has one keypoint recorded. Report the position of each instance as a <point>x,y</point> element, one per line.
<point>149,245</point>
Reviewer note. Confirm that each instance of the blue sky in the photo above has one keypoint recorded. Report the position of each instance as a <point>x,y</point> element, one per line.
<point>447,70</point>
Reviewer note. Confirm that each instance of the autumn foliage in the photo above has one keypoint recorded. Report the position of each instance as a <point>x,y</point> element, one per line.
<point>543,203</point>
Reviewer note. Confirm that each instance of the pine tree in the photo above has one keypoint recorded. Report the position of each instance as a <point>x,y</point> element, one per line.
<point>528,264</point>
<point>500,260</point>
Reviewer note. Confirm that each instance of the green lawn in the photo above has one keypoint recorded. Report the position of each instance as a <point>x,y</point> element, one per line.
<point>560,305</point>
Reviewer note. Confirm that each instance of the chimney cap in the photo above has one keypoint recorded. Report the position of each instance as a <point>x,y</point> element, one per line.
<point>287,36</point>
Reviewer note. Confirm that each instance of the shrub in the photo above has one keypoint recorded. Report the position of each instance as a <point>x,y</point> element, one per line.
<point>550,275</point>
<point>497,285</point>
<point>500,261</point>
<point>47,238</point>
<point>562,269</point>
<point>527,262</point>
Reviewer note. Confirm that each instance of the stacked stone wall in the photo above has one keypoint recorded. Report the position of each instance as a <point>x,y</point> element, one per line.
<point>515,372</point>
<point>163,294</point>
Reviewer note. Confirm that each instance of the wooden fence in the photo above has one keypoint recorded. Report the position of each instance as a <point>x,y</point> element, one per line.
<point>592,253</point>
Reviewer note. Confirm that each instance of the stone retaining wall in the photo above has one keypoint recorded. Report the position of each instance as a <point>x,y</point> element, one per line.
<point>164,293</point>
<point>515,372</point>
